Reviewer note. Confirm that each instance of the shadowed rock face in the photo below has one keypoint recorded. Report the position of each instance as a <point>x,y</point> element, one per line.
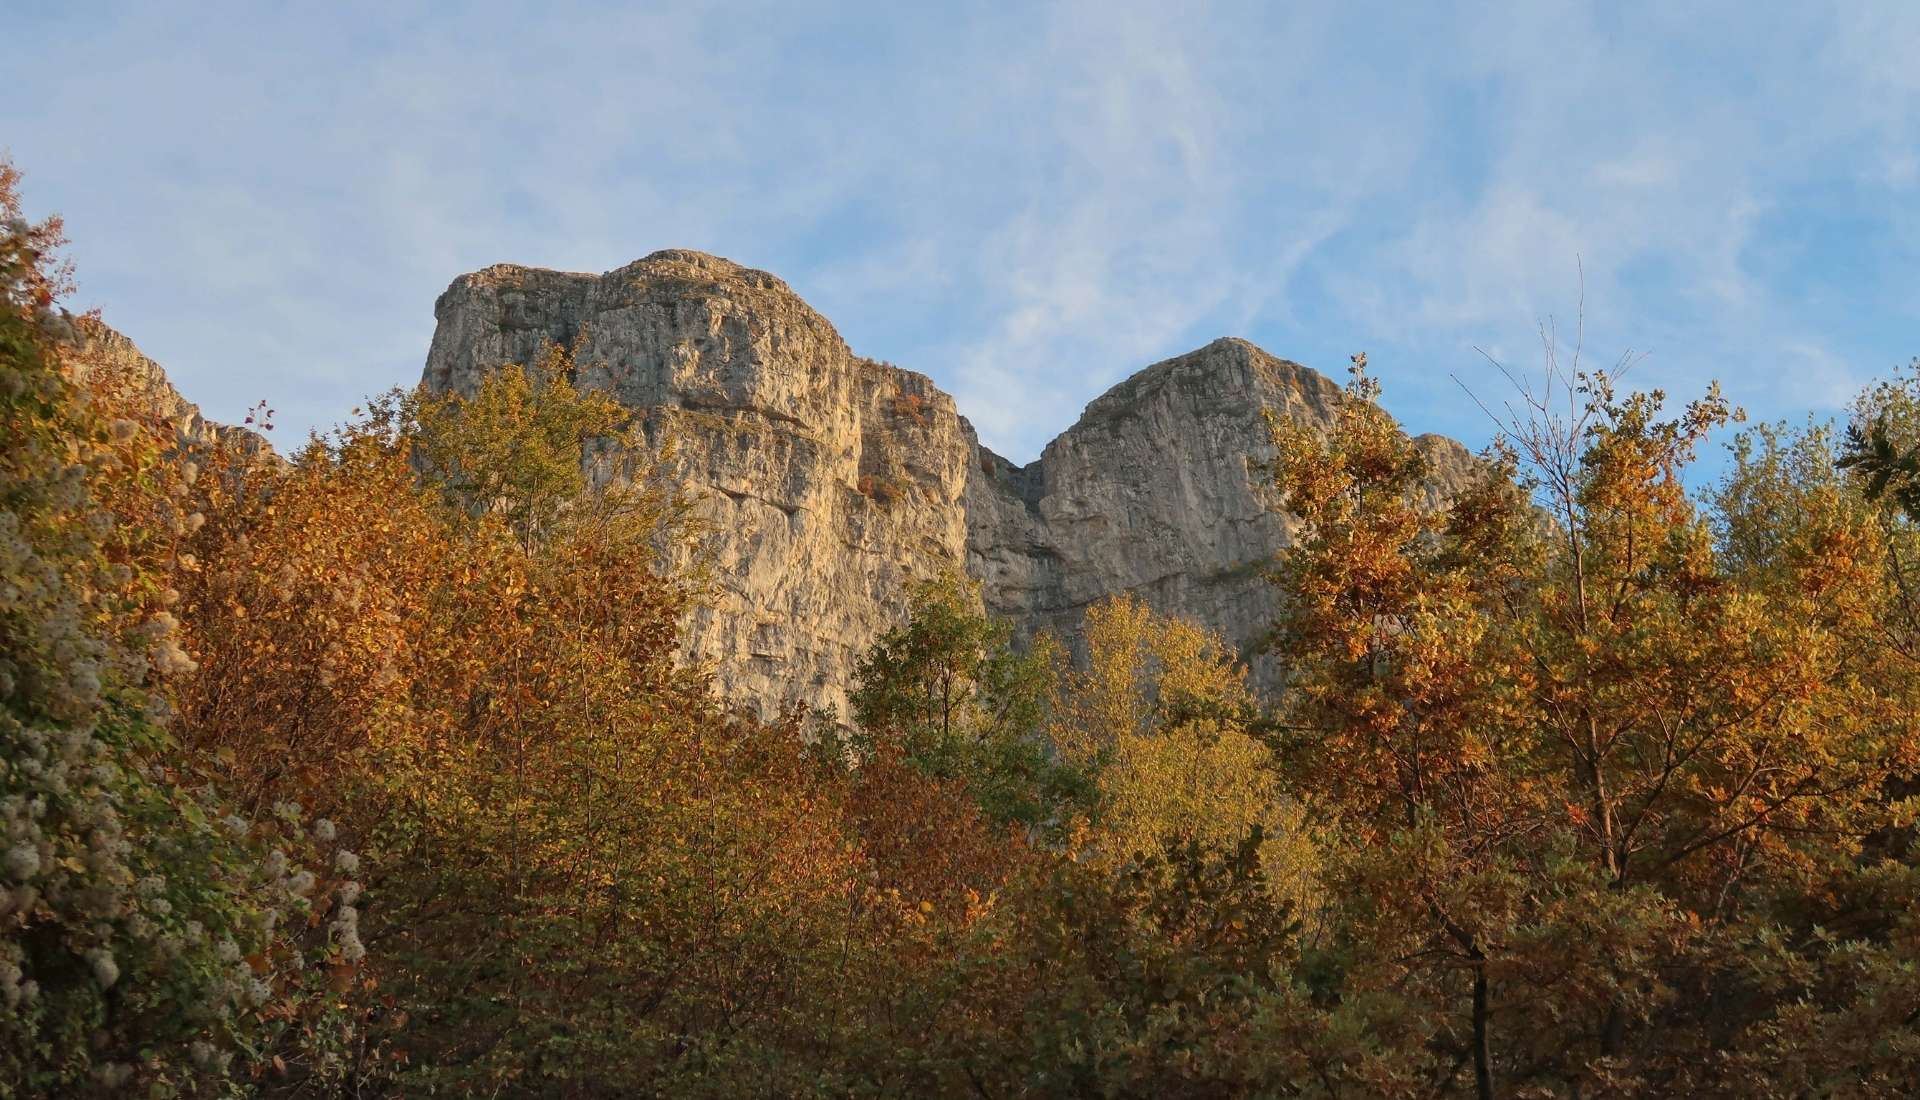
<point>831,481</point>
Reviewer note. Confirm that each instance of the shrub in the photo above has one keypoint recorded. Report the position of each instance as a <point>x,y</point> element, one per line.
<point>149,936</point>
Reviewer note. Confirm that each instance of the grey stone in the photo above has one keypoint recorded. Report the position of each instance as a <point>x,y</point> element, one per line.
<point>829,482</point>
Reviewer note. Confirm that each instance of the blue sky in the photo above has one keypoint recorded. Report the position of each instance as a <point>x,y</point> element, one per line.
<point>1028,202</point>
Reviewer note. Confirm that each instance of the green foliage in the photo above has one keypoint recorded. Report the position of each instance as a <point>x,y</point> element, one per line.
<point>514,448</point>
<point>1879,455</point>
<point>948,692</point>
<point>1154,981</point>
<point>1883,442</point>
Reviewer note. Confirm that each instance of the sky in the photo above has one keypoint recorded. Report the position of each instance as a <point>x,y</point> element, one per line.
<point>1029,202</point>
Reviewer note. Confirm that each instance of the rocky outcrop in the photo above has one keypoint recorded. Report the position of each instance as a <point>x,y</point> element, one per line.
<point>1158,491</point>
<point>830,481</point>
<point>110,365</point>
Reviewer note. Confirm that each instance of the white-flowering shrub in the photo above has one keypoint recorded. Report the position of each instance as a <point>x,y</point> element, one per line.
<point>144,930</point>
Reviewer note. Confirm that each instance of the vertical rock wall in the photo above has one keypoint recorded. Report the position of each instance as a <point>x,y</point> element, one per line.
<point>831,481</point>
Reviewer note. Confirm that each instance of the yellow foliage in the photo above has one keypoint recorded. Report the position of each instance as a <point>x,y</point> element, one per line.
<point>1162,710</point>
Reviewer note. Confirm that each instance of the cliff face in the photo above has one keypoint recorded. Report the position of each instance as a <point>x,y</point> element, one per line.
<point>832,481</point>
<point>1157,490</point>
<point>106,362</point>
<point>829,481</point>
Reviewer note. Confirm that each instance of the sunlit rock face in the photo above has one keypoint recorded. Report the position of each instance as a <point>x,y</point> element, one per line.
<point>828,482</point>
<point>106,362</point>
<point>1160,490</point>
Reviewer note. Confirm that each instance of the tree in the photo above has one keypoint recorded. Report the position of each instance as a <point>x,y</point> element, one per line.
<point>1883,442</point>
<point>1397,687</point>
<point>1158,977</point>
<point>947,692</point>
<point>307,630</point>
<point>149,936</point>
<point>591,881</point>
<point>1161,717</point>
<point>1579,746</point>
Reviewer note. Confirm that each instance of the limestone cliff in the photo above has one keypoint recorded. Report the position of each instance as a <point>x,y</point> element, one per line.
<point>831,480</point>
<point>1157,491</point>
<point>106,362</point>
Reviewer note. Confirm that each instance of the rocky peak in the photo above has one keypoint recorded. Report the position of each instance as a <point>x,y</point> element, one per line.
<point>1156,490</point>
<point>830,481</point>
<point>104,360</point>
<point>1229,368</point>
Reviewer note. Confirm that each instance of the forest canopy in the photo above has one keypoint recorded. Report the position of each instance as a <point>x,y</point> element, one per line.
<point>376,771</point>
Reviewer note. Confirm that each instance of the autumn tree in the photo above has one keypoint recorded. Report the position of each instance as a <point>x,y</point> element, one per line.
<point>1161,975</point>
<point>306,625</point>
<point>1161,716</point>
<point>1581,744</point>
<point>151,938</point>
<point>1396,690</point>
<point>590,880</point>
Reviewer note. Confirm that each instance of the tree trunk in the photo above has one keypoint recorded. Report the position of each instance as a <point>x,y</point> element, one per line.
<point>1482,1046</point>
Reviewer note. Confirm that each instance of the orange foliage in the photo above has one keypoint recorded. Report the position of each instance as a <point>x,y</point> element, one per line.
<point>308,618</point>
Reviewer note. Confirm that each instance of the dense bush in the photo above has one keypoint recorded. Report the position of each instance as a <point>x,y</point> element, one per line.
<point>152,935</point>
